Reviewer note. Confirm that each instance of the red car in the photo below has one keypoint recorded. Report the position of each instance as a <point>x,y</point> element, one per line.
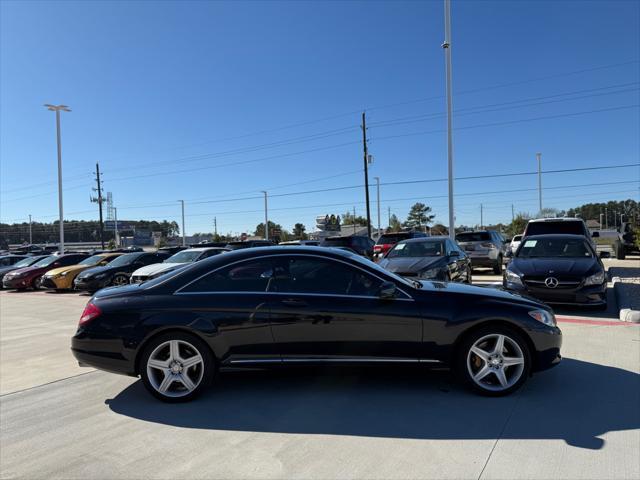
<point>388,240</point>
<point>29,277</point>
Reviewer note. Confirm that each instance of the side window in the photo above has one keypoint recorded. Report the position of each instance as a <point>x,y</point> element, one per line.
<point>321,276</point>
<point>249,276</point>
<point>147,259</point>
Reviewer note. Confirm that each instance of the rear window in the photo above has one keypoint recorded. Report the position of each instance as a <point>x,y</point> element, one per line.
<point>544,228</point>
<point>337,242</point>
<point>473,237</point>
<point>392,238</point>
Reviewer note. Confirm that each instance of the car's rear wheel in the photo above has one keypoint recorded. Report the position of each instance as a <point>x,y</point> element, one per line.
<point>497,269</point>
<point>494,361</point>
<point>119,280</point>
<point>176,367</point>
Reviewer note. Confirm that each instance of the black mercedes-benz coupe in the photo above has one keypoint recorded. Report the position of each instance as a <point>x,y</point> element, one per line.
<point>309,305</point>
<point>558,269</point>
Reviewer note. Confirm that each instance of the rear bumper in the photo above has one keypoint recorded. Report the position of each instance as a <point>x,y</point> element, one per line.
<point>483,260</point>
<point>100,355</point>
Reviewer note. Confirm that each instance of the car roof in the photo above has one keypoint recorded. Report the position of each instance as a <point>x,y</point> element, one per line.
<point>437,238</point>
<point>556,235</point>
<point>556,219</point>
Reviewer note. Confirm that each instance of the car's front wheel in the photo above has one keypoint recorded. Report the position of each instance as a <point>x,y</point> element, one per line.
<point>176,367</point>
<point>119,280</point>
<point>494,361</point>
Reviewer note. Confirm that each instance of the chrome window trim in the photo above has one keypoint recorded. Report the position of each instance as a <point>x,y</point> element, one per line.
<point>178,291</point>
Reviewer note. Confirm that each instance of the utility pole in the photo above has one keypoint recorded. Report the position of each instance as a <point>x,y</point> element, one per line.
<point>606,219</point>
<point>513,217</point>
<point>378,202</point>
<point>447,55</point>
<point>99,202</point>
<point>601,214</point>
<point>115,224</point>
<point>539,158</point>
<point>57,109</point>
<point>389,217</point>
<point>481,217</point>
<point>30,234</point>
<point>184,237</point>
<point>215,226</point>
<point>366,171</point>
<point>354,220</point>
<point>266,217</point>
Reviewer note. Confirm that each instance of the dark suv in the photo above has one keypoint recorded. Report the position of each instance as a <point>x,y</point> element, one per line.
<point>485,248</point>
<point>361,245</point>
<point>388,240</point>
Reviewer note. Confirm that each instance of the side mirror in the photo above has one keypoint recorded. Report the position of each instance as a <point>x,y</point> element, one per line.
<point>387,291</point>
<point>595,234</point>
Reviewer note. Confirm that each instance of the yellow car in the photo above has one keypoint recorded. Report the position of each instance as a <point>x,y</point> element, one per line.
<point>62,278</point>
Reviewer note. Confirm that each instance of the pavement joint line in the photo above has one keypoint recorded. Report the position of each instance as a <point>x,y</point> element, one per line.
<point>48,383</point>
<point>504,427</point>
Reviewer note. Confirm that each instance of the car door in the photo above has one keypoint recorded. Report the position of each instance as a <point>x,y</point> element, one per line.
<point>233,298</point>
<point>325,309</point>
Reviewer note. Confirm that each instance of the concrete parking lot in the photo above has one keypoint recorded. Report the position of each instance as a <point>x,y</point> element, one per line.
<point>57,420</point>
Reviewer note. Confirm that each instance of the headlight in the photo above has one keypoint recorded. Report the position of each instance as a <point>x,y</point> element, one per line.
<point>512,277</point>
<point>64,274</point>
<point>544,316</point>
<point>431,273</point>
<point>595,279</point>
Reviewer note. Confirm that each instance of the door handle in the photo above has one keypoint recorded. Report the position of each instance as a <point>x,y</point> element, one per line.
<point>294,302</point>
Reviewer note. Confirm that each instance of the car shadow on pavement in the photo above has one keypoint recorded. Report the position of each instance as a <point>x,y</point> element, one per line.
<point>611,311</point>
<point>575,402</point>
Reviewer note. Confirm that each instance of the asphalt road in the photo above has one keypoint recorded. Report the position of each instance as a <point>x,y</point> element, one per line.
<point>579,420</point>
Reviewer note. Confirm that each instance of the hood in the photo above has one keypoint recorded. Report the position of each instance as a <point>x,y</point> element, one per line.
<point>411,264</point>
<point>477,291</point>
<point>69,269</point>
<point>30,269</point>
<point>155,268</point>
<point>90,272</point>
<point>559,266</point>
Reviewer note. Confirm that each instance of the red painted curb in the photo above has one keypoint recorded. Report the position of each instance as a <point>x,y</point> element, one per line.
<point>588,321</point>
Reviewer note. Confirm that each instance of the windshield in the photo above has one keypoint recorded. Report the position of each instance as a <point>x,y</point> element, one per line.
<point>46,261</point>
<point>25,262</point>
<point>94,260</point>
<point>126,259</point>
<point>392,238</point>
<point>417,249</point>
<point>555,248</point>
<point>473,237</point>
<point>185,256</point>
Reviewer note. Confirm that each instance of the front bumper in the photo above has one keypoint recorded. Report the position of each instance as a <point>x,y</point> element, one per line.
<point>583,295</point>
<point>58,283</point>
<point>16,283</point>
<point>547,343</point>
<point>90,285</point>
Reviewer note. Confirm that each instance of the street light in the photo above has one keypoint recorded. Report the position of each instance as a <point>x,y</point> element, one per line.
<point>377,179</point>
<point>184,238</point>
<point>58,109</point>
<point>447,55</point>
<point>266,217</point>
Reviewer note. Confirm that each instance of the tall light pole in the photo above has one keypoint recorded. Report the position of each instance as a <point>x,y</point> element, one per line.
<point>447,55</point>
<point>539,158</point>
<point>115,226</point>
<point>266,216</point>
<point>184,238</point>
<point>57,109</point>
<point>377,179</point>
<point>30,235</point>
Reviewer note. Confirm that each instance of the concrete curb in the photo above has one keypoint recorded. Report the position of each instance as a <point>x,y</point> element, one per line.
<point>627,295</point>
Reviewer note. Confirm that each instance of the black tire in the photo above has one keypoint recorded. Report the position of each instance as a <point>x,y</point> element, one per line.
<point>469,278</point>
<point>119,280</point>
<point>35,284</point>
<point>497,268</point>
<point>463,354</point>
<point>205,376</point>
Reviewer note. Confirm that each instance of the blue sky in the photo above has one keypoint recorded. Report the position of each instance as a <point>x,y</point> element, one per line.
<point>213,102</point>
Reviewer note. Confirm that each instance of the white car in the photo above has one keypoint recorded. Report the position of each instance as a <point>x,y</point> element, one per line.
<point>177,260</point>
<point>515,243</point>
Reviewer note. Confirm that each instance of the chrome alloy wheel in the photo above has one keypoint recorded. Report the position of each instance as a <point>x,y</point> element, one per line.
<point>495,362</point>
<point>120,280</point>
<point>175,368</point>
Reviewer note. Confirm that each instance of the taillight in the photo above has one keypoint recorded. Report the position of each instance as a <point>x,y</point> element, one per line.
<point>90,312</point>
<point>377,248</point>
